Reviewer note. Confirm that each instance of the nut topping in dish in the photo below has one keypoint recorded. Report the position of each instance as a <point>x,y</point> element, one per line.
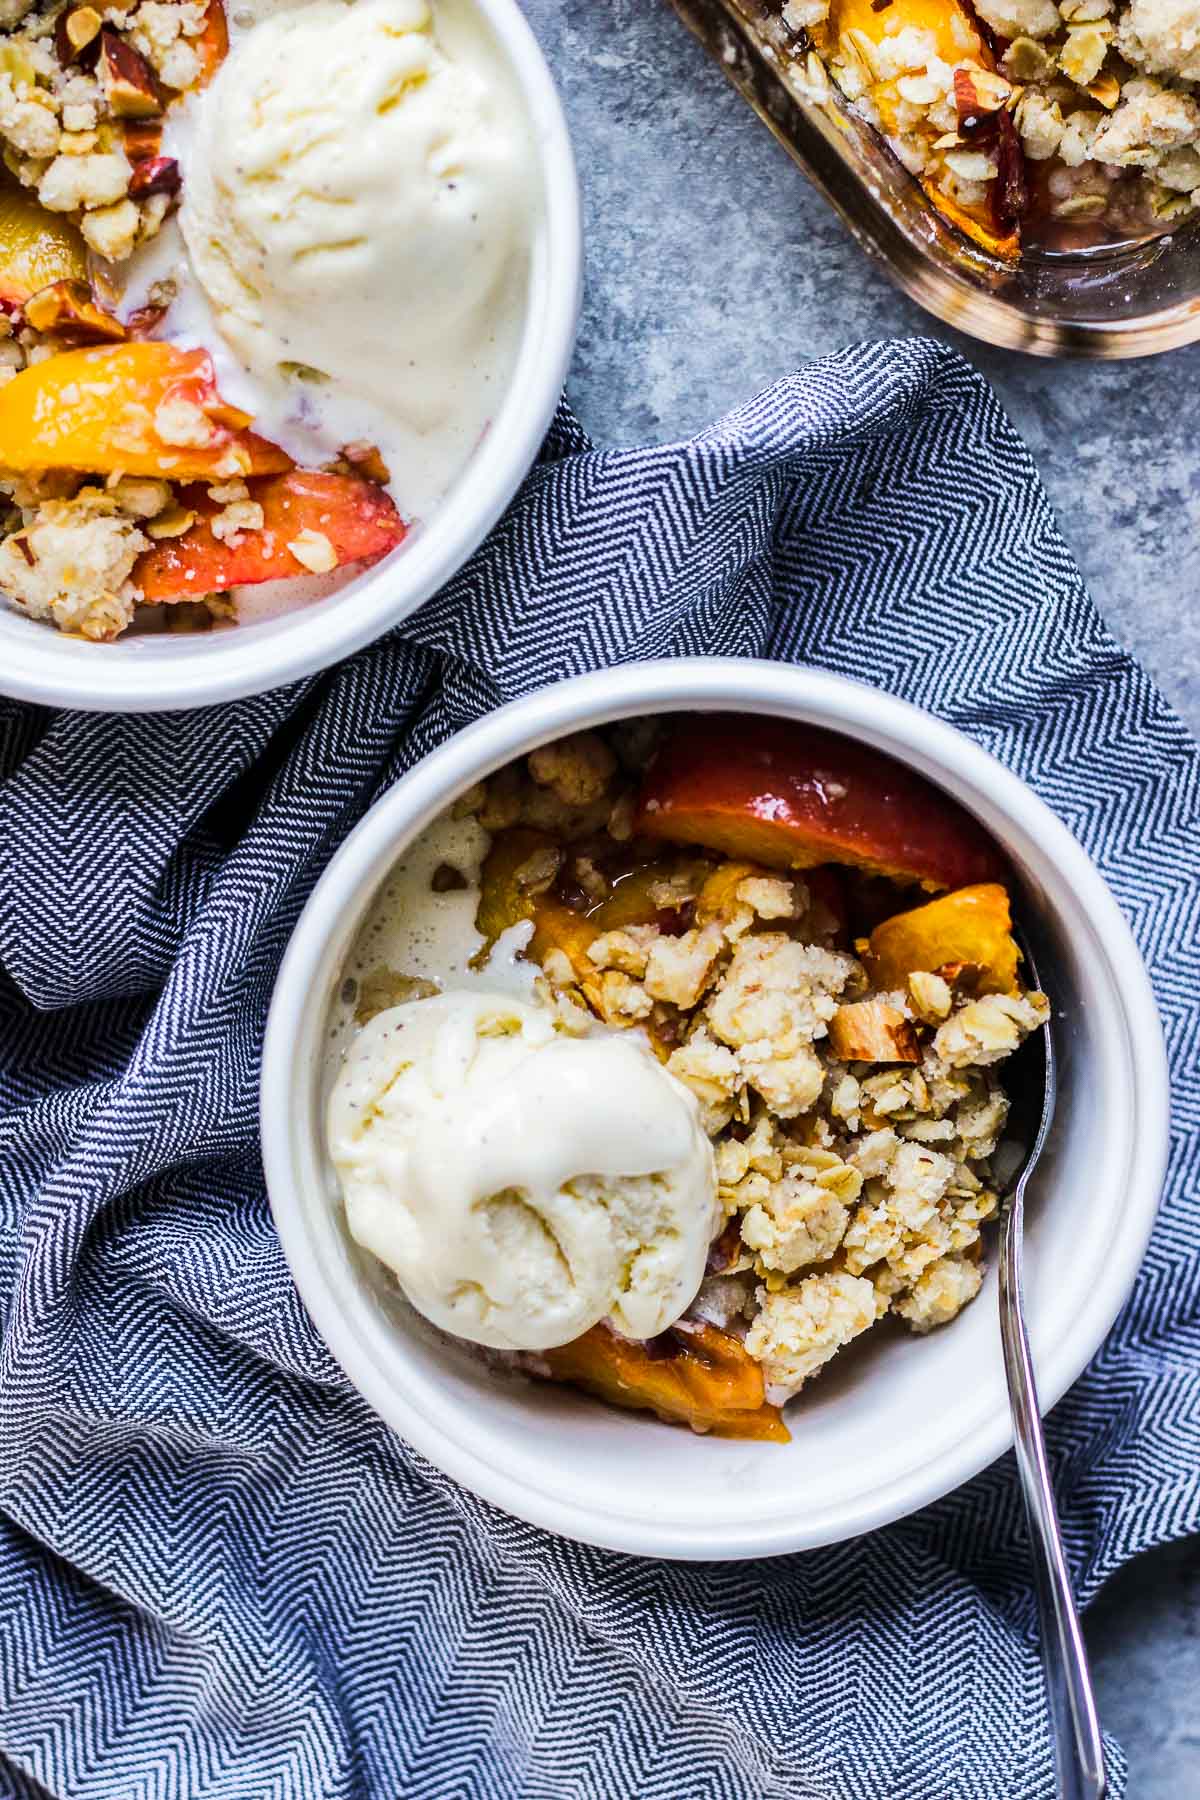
<point>808,951</point>
<point>261,284</point>
<point>1056,124</point>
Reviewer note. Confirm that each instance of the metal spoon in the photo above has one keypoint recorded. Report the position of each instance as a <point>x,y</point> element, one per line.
<point>1078,1751</point>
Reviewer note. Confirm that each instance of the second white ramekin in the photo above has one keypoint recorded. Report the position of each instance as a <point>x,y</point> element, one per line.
<point>899,1422</point>
<point>164,672</point>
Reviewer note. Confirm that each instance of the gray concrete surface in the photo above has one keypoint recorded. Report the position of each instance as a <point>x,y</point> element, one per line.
<point>713,268</point>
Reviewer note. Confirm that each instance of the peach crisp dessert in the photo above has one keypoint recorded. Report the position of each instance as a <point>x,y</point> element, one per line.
<point>667,1062</point>
<point>1030,124</point>
<point>261,282</point>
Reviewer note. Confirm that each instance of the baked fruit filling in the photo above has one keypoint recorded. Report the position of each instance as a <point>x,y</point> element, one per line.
<point>127,481</point>
<point>818,945</point>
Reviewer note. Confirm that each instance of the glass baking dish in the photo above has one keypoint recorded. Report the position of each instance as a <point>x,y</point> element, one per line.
<point>1128,301</point>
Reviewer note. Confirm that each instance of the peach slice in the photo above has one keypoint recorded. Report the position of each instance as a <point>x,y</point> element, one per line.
<point>124,407</point>
<point>793,796</point>
<point>565,927</point>
<point>37,248</point>
<point>504,901</point>
<point>693,1375</point>
<point>971,926</point>
<point>357,518</point>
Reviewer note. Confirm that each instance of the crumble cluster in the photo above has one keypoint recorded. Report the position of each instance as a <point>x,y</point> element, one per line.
<point>75,83</point>
<point>71,546</point>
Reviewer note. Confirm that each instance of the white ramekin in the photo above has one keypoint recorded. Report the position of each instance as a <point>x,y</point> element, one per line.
<point>166,672</point>
<point>895,1423</point>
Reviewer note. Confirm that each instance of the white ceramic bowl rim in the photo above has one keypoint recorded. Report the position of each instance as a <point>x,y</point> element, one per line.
<point>724,684</point>
<point>162,673</point>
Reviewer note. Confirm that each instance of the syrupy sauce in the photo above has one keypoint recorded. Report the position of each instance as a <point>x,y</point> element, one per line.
<point>1126,222</point>
<point>1028,195</point>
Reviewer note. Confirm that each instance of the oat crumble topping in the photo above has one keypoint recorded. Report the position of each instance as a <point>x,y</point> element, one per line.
<point>1080,111</point>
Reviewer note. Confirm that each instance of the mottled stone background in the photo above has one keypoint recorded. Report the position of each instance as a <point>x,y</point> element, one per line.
<point>712,268</point>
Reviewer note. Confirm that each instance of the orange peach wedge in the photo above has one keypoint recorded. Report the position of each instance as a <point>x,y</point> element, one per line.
<point>692,1375</point>
<point>138,408</point>
<point>36,247</point>
<point>345,519</point>
<point>970,927</point>
<point>793,797</point>
<point>508,894</point>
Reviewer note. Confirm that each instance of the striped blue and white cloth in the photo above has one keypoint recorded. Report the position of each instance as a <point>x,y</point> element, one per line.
<point>220,1576</point>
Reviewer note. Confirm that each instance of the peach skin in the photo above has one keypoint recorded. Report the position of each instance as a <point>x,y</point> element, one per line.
<point>793,797</point>
<point>358,519</point>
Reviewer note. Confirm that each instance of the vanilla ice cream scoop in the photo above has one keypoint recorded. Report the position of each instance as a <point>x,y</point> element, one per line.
<point>522,1183</point>
<point>355,203</point>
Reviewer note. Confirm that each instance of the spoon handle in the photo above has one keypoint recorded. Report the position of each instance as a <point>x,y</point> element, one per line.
<point>1078,1751</point>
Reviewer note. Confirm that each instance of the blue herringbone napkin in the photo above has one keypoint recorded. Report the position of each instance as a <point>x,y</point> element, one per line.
<point>219,1575</point>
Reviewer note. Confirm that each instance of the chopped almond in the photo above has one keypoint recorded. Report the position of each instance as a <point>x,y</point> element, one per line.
<point>75,28</point>
<point>314,550</point>
<point>155,175</point>
<point>142,139</point>
<point>127,79</point>
<point>872,1031</point>
<point>364,459</point>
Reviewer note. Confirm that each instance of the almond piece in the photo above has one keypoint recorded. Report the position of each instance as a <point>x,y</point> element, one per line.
<point>75,30</point>
<point>930,995</point>
<point>157,175</point>
<point>314,550</point>
<point>143,320</point>
<point>172,523</point>
<point>142,139</point>
<point>127,79</point>
<point>872,1031</point>
<point>67,309</point>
